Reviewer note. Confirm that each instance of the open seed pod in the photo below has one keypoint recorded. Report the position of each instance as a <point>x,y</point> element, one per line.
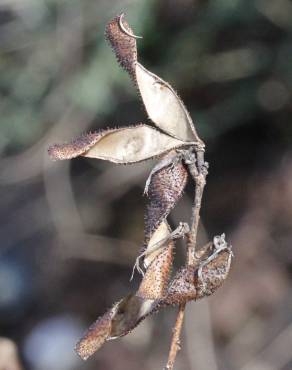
<point>122,145</point>
<point>163,105</point>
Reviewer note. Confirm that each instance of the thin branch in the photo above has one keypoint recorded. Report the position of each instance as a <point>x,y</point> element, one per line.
<point>175,342</point>
<point>199,171</point>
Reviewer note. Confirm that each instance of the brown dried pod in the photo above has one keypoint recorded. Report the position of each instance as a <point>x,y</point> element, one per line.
<point>182,288</point>
<point>211,274</point>
<point>121,145</point>
<point>123,42</point>
<point>190,283</point>
<point>96,335</point>
<point>164,107</point>
<point>155,281</point>
<point>123,317</point>
<point>202,279</point>
<point>165,189</point>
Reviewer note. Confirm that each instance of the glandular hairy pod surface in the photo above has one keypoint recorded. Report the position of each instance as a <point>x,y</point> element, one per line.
<point>154,293</point>
<point>120,36</point>
<point>200,280</point>
<point>165,189</point>
<point>155,281</point>
<point>122,318</point>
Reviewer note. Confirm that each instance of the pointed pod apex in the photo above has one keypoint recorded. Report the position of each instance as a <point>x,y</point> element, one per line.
<point>75,148</point>
<point>96,335</point>
<point>123,42</point>
<point>123,317</point>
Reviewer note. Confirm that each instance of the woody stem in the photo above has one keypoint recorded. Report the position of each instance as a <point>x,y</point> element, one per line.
<point>198,172</point>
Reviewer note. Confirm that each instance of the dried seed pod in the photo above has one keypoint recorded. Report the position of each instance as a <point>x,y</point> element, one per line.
<point>122,145</point>
<point>202,279</point>
<point>190,283</point>
<point>164,107</point>
<point>165,189</point>
<point>77,147</point>
<point>155,281</point>
<point>96,335</point>
<point>156,242</point>
<point>123,42</point>
<point>182,288</point>
<point>213,274</point>
<point>116,322</point>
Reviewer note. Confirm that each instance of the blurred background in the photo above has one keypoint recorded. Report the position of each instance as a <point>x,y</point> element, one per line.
<point>70,231</point>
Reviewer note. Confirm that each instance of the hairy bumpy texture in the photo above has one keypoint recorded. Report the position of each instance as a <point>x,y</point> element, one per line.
<point>155,282</point>
<point>165,189</point>
<point>96,335</point>
<point>187,285</point>
<point>214,274</point>
<point>77,147</point>
<point>124,46</point>
<point>182,287</point>
<point>118,321</point>
<point>125,315</point>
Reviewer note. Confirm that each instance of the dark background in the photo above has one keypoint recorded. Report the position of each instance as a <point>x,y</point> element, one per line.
<point>70,231</point>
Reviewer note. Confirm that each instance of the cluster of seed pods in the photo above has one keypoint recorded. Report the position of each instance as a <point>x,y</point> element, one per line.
<point>175,140</point>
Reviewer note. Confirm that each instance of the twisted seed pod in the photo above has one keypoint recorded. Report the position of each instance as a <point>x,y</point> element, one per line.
<point>214,274</point>
<point>155,281</point>
<point>125,315</point>
<point>187,285</point>
<point>123,43</point>
<point>118,321</point>
<point>182,288</point>
<point>165,189</point>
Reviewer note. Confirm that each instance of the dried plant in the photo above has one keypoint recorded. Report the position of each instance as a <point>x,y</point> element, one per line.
<point>181,151</point>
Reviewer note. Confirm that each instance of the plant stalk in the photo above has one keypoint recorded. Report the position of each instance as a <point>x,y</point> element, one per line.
<point>198,171</point>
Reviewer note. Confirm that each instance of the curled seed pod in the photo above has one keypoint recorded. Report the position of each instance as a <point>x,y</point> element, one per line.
<point>190,283</point>
<point>155,281</point>
<point>165,189</point>
<point>123,317</point>
<point>96,335</point>
<point>213,273</point>
<point>123,42</point>
<point>182,288</point>
<point>200,280</point>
